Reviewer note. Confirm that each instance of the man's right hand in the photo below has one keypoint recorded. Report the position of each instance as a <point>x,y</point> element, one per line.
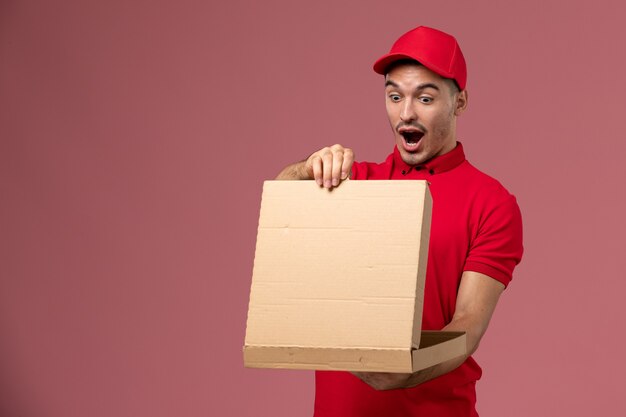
<point>328,167</point>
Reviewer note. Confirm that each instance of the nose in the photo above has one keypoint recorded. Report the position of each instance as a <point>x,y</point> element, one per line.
<point>407,113</point>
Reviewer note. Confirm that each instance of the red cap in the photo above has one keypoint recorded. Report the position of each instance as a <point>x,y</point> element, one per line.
<point>434,49</point>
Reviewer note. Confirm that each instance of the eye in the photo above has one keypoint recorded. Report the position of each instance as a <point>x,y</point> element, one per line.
<point>426,100</point>
<point>394,97</point>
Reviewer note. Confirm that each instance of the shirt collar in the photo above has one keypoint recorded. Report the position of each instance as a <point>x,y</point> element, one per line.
<point>436,165</point>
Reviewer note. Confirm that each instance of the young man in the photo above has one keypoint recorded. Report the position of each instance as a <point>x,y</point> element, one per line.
<point>476,230</point>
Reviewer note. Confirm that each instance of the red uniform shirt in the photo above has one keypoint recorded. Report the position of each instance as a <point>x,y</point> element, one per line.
<point>476,226</point>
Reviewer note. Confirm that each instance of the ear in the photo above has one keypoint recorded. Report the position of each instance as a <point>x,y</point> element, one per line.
<point>461,103</point>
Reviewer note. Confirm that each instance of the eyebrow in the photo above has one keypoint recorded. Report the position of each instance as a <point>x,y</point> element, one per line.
<point>418,88</point>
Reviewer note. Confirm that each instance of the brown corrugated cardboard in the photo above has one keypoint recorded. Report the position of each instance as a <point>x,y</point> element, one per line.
<point>338,279</point>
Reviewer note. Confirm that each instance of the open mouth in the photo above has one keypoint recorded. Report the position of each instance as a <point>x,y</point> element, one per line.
<point>411,138</point>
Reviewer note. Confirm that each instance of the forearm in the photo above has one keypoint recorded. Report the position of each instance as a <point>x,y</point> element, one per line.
<point>295,171</point>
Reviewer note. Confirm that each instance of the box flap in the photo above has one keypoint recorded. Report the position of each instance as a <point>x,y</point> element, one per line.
<point>340,269</point>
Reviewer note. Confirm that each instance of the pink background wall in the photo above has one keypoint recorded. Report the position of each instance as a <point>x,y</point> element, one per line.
<point>134,139</point>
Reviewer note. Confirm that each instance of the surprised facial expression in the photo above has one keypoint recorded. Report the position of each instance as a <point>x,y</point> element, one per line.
<point>422,108</point>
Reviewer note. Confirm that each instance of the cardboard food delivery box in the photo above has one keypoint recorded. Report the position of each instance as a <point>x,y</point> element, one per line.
<point>338,279</point>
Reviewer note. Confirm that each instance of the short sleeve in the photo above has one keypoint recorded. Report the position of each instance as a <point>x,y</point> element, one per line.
<point>359,171</point>
<point>497,246</point>
<point>372,171</point>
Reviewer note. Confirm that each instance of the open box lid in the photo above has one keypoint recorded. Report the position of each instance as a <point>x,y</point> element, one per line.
<point>338,279</point>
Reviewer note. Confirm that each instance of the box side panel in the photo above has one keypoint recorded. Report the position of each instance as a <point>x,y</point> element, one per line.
<point>438,349</point>
<point>370,360</point>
